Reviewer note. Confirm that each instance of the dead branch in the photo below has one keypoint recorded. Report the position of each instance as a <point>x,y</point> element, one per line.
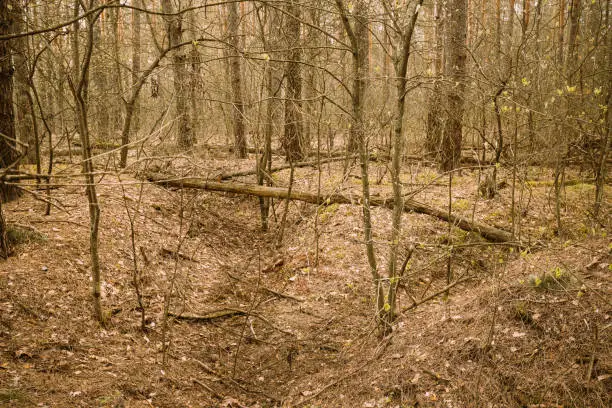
<point>205,318</point>
<point>174,254</point>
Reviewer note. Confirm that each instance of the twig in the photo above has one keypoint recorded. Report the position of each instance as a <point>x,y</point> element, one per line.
<point>173,253</point>
<point>434,295</point>
<point>436,376</point>
<point>207,388</point>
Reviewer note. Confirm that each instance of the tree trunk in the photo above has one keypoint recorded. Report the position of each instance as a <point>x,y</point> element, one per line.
<point>23,100</point>
<point>174,29</point>
<point>117,78</point>
<point>454,69</point>
<point>79,88</point>
<point>131,119</point>
<point>238,118</point>
<point>434,112</point>
<point>401,69</point>
<point>194,74</point>
<point>292,139</point>
<point>561,34</point>
<point>8,147</point>
<point>601,173</point>
<point>136,22</point>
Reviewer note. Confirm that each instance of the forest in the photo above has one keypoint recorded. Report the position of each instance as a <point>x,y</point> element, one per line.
<point>305,203</point>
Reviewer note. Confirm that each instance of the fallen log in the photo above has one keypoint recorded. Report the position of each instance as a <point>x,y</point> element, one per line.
<point>486,231</point>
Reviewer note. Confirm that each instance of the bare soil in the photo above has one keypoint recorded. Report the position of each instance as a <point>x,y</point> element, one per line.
<point>530,328</point>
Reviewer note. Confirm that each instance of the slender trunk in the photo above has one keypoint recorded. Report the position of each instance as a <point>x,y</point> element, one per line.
<point>79,88</point>
<point>561,32</point>
<point>194,74</point>
<point>136,47</point>
<point>601,173</point>
<point>117,83</point>
<point>264,164</point>
<point>132,111</point>
<point>401,69</point>
<point>357,34</point>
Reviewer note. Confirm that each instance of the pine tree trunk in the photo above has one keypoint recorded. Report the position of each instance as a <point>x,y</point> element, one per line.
<point>23,100</point>
<point>454,68</point>
<point>434,112</point>
<point>292,139</point>
<point>8,147</point>
<point>174,29</point>
<point>238,119</point>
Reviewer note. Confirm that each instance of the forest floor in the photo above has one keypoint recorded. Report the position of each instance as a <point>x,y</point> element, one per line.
<point>531,327</point>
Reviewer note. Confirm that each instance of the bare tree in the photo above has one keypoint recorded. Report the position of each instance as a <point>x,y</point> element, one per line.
<point>403,41</point>
<point>78,87</point>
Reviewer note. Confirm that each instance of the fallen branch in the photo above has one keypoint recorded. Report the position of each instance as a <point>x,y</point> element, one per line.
<point>488,232</point>
<point>207,388</point>
<point>172,253</point>
<point>217,314</point>
<point>224,314</point>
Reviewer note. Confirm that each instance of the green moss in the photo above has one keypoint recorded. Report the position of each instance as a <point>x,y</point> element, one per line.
<point>555,279</point>
<point>327,211</point>
<point>461,205</point>
<point>12,395</point>
<point>17,235</point>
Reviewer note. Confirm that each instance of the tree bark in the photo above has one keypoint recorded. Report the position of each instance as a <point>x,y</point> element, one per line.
<point>174,28</point>
<point>292,139</point>
<point>454,69</point>
<point>357,34</point>
<point>401,69</point>
<point>8,145</point>
<point>434,112</point>
<point>235,72</point>
<point>79,89</point>
<point>23,100</point>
